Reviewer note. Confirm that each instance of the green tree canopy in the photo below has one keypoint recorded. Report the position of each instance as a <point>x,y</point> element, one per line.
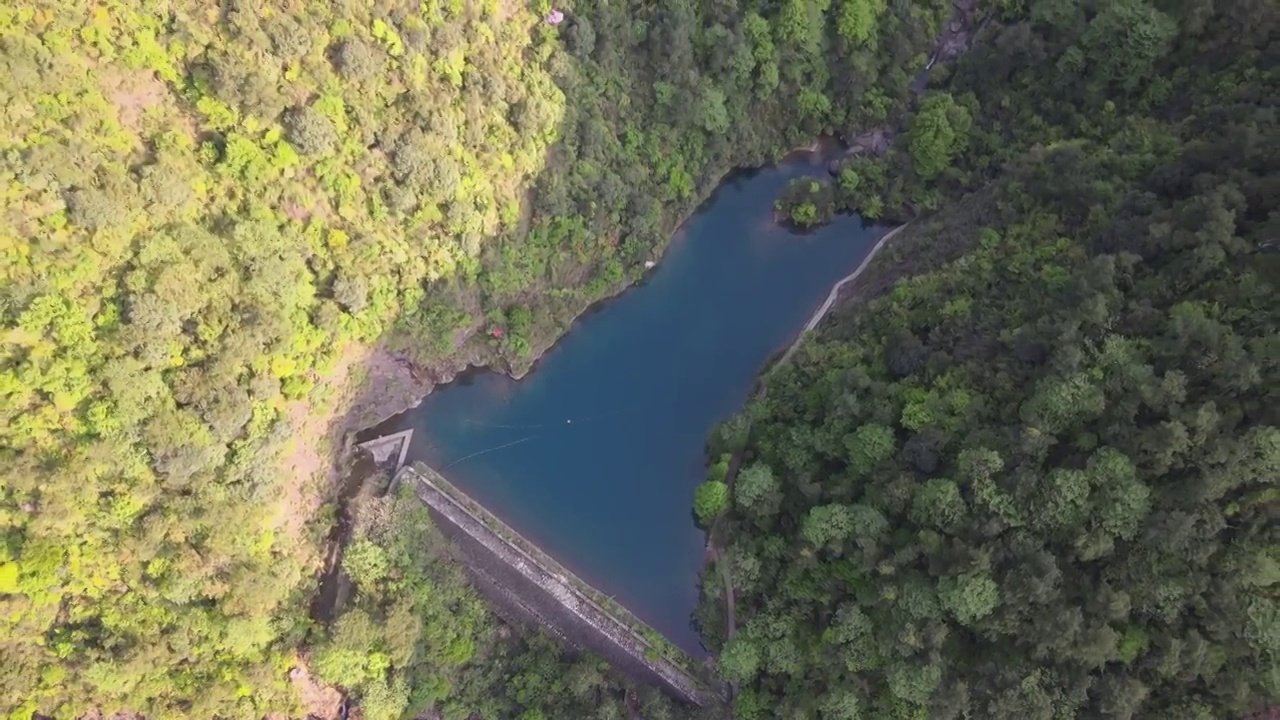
<point>710,500</point>
<point>938,132</point>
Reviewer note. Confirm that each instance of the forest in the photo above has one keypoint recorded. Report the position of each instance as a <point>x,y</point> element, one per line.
<point>1035,477</point>
<point>208,206</point>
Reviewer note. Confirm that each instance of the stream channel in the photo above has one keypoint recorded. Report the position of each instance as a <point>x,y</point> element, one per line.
<point>594,456</point>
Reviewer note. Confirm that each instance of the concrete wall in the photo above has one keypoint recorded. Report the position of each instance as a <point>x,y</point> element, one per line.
<point>526,580</point>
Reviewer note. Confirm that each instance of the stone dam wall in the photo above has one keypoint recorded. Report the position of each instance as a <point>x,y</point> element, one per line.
<point>521,578</point>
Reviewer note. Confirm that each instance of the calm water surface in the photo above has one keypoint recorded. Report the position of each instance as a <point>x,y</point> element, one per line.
<point>595,455</point>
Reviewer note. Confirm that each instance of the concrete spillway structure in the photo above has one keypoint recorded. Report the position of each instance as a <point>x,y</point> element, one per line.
<point>389,450</point>
<point>516,574</point>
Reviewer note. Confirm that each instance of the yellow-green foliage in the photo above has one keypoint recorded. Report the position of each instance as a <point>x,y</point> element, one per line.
<point>178,260</point>
<point>204,203</point>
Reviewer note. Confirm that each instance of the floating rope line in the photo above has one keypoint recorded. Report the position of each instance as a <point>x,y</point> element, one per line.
<point>536,426</point>
<point>488,450</point>
<point>580,421</point>
<point>469,421</point>
<point>601,416</point>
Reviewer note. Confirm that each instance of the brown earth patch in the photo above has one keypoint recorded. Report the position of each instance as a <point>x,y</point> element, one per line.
<point>133,93</point>
<point>319,701</point>
<point>365,385</point>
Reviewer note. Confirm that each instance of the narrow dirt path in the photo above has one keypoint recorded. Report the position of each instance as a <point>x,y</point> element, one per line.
<point>731,619</point>
<point>835,294</point>
<point>713,544</point>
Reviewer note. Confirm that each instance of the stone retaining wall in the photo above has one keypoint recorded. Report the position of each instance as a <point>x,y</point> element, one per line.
<point>640,645</point>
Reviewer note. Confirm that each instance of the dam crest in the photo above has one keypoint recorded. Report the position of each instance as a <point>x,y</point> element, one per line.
<point>520,578</point>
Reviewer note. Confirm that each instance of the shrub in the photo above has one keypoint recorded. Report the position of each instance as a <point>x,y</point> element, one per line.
<point>310,131</point>
<point>710,500</point>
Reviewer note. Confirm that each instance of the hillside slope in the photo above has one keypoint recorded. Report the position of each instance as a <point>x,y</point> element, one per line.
<point>209,208</point>
<point>1035,477</point>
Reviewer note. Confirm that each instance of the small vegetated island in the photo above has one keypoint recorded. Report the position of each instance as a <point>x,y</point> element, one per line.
<point>1027,470</point>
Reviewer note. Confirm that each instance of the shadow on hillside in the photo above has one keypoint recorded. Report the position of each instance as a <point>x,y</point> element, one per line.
<point>614,187</point>
<point>594,219</point>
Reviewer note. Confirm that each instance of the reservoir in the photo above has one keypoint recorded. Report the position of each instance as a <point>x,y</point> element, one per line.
<point>594,456</point>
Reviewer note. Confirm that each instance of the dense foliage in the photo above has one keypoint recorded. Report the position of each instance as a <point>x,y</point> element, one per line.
<point>1040,480</point>
<point>712,496</point>
<point>806,202</point>
<point>206,206</point>
<point>1045,72</point>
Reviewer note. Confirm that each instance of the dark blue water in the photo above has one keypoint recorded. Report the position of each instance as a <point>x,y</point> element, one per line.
<point>595,455</point>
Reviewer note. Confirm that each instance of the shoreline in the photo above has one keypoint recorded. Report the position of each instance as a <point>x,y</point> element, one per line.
<point>716,554</point>
<point>834,296</point>
<point>385,383</point>
<point>817,147</point>
<point>461,362</point>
